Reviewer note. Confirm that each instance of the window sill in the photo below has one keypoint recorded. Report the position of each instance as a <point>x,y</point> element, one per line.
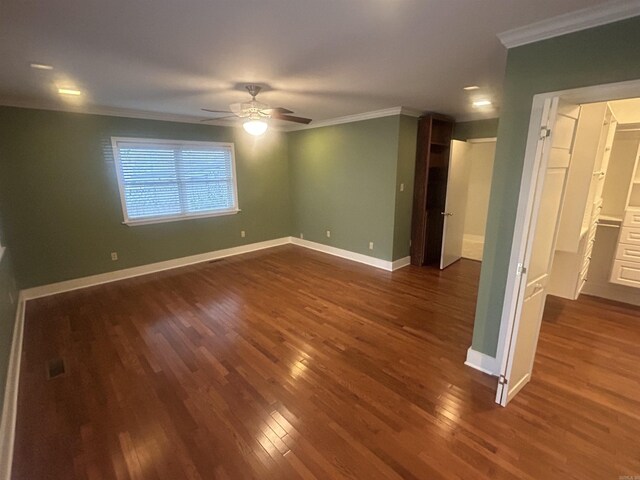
<point>151,221</point>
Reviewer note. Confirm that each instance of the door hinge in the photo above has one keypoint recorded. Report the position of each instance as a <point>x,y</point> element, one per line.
<point>520,269</point>
<point>502,380</point>
<point>544,133</point>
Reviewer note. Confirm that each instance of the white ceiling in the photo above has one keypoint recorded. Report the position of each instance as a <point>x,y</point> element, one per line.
<point>321,58</point>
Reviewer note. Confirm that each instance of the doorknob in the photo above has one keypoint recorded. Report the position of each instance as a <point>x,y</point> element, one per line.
<point>446,214</point>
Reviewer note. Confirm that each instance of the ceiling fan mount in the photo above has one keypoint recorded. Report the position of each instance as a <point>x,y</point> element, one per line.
<point>253,90</point>
<point>253,109</point>
<point>256,111</point>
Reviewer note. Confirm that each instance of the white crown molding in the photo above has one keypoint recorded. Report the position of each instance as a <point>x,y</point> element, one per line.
<point>571,22</point>
<point>100,110</point>
<point>387,112</point>
<point>171,117</point>
<point>410,112</point>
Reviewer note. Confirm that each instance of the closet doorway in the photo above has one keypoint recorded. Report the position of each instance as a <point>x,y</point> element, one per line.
<point>578,223</point>
<point>467,203</point>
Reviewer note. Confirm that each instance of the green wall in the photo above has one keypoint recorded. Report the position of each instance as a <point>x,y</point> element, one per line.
<point>63,216</point>
<point>344,178</point>
<point>486,128</point>
<point>63,212</point>
<point>405,170</point>
<point>606,54</point>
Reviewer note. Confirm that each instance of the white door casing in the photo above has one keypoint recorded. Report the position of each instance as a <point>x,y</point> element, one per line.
<point>540,109</point>
<point>553,154</point>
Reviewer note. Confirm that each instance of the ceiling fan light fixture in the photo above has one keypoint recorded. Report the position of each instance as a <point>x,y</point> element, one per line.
<point>256,113</point>
<point>255,127</point>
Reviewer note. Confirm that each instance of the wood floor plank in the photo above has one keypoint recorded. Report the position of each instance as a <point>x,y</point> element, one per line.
<point>288,363</point>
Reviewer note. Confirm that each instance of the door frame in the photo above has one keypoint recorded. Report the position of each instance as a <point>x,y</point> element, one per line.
<point>446,204</point>
<point>527,211</point>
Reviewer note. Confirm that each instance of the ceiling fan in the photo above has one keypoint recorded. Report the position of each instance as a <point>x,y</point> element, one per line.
<point>256,113</point>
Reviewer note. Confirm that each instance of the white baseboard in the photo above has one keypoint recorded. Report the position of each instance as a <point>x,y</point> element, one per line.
<point>611,291</point>
<point>483,362</point>
<point>400,263</point>
<point>472,246</point>
<point>90,281</point>
<point>518,386</point>
<point>10,405</point>
<point>68,285</point>
<point>356,257</point>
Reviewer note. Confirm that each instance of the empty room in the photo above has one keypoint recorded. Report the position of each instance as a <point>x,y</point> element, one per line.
<point>296,239</point>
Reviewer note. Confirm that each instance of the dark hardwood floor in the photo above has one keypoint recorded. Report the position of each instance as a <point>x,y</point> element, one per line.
<point>288,363</point>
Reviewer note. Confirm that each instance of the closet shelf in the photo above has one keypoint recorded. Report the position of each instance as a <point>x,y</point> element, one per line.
<point>612,220</point>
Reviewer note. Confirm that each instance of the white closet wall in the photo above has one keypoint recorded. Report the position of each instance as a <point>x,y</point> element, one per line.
<point>480,156</point>
<point>582,201</point>
<point>614,196</point>
<point>605,250</point>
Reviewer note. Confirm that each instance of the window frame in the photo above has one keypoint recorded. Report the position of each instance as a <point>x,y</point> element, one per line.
<point>163,141</point>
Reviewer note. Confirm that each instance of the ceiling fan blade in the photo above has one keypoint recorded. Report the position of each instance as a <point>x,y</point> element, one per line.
<point>215,111</point>
<point>273,110</point>
<point>291,118</point>
<point>239,108</point>
<point>217,118</point>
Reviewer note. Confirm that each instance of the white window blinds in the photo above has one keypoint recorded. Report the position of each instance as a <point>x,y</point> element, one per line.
<point>164,180</point>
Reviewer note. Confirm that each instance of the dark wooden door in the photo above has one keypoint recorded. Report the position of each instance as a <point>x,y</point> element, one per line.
<point>430,188</point>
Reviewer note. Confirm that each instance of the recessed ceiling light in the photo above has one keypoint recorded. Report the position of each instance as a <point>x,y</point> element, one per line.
<point>41,66</point>
<point>482,103</point>
<point>69,91</point>
<point>471,87</point>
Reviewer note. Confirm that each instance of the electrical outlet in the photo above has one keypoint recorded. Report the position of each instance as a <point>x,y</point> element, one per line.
<point>370,245</point>
<point>402,187</point>
<point>328,233</point>
<point>302,236</point>
<point>114,256</point>
<point>242,234</point>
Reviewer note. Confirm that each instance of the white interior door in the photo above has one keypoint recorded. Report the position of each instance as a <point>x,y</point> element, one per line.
<point>555,153</point>
<point>457,183</point>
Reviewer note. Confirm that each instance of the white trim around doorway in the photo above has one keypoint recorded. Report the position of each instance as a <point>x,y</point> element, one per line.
<point>591,94</point>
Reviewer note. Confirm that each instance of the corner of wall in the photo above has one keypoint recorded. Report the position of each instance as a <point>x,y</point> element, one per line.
<point>403,183</point>
<point>286,139</point>
<point>483,128</point>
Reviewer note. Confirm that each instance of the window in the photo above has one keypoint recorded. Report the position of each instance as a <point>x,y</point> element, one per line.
<point>166,180</point>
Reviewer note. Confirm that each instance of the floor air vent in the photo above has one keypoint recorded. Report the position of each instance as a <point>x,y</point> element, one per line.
<point>55,368</point>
